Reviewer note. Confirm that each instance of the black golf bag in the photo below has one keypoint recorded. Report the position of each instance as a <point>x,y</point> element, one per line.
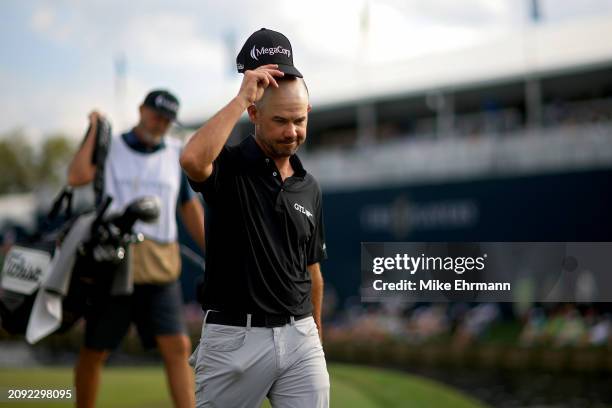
<point>90,264</point>
<point>48,283</point>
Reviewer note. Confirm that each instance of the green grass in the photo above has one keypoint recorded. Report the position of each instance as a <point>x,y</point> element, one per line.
<point>352,386</point>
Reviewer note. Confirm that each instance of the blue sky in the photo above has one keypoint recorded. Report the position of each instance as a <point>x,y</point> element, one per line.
<point>58,57</point>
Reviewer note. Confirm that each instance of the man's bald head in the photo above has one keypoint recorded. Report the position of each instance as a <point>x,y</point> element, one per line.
<point>289,88</point>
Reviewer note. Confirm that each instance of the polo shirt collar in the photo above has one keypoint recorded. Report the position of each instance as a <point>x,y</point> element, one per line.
<point>132,141</point>
<point>255,155</point>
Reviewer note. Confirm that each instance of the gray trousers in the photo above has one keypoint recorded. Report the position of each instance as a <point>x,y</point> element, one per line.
<point>237,367</point>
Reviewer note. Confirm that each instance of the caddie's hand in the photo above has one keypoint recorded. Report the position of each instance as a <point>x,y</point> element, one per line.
<point>256,81</point>
<point>93,116</point>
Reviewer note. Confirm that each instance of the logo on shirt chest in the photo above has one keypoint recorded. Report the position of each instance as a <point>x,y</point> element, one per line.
<point>300,208</point>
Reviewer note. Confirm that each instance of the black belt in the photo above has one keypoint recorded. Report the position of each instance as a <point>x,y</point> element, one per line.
<point>257,320</point>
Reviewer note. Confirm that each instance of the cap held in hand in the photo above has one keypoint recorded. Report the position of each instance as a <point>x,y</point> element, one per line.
<point>267,47</point>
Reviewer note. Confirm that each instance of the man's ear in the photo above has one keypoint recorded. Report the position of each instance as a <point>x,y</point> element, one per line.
<point>141,109</point>
<point>252,111</point>
<point>309,108</point>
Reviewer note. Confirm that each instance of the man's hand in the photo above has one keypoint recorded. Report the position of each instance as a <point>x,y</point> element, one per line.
<point>81,171</point>
<point>93,117</point>
<point>316,295</point>
<point>255,83</point>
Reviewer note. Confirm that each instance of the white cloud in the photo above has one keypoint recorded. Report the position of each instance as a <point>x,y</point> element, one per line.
<point>180,45</point>
<point>42,19</point>
<point>49,24</point>
<point>170,40</point>
<point>473,13</point>
<point>556,10</point>
<point>396,36</point>
<point>333,32</point>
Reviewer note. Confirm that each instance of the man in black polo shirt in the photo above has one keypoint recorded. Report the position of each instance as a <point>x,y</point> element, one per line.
<point>263,288</point>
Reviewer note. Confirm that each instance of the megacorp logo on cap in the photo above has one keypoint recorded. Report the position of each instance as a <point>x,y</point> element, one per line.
<point>256,52</point>
<point>267,47</point>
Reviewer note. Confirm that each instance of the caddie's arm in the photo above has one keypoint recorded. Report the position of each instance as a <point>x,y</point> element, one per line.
<point>316,294</point>
<point>208,141</point>
<point>81,170</point>
<point>192,215</point>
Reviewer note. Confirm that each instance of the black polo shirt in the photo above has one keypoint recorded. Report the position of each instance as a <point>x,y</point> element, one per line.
<point>262,232</point>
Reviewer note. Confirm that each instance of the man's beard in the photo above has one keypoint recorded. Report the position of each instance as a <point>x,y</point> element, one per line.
<point>280,149</point>
<point>151,139</point>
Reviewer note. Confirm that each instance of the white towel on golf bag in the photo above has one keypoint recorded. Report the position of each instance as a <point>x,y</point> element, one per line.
<point>46,315</point>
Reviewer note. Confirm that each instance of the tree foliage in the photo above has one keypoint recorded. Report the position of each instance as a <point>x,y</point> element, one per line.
<point>24,167</point>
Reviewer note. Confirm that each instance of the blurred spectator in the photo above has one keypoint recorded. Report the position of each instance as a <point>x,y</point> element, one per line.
<point>427,322</point>
<point>571,330</point>
<point>492,120</point>
<point>561,325</point>
<point>601,330</point>
<point>476,322</point>
<point>534,327</point>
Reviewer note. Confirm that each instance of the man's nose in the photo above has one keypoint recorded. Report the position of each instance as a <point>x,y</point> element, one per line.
<point>290,130</point>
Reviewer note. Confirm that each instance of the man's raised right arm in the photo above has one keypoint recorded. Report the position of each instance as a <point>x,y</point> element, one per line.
<point>208,141</point>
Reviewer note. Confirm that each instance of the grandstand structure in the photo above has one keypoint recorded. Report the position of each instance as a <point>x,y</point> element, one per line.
<point>514,105</point>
